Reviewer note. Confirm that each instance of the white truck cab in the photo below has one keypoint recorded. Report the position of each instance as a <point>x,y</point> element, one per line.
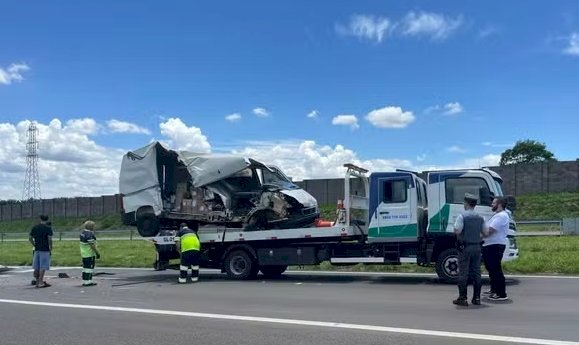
<point>406,209</point>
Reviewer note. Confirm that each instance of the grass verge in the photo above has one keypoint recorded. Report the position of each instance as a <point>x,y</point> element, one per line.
<point>123,253</point>
<point>111,221</point>
<point>545,255</point>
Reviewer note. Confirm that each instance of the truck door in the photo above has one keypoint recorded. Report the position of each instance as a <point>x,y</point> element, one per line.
<point>454,188</point>
<point>394,212</point>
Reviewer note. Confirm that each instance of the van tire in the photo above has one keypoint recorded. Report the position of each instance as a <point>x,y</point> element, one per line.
<point>447,266</point>
<point>148,225</point>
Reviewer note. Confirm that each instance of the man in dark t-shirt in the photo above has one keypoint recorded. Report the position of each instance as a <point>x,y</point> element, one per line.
<point>41,238</point>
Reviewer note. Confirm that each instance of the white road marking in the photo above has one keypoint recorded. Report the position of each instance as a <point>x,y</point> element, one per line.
<point>433,275</point>
<point>419,332</point>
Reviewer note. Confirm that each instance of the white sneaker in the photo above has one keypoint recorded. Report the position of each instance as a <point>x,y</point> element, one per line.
<point>495,297</point>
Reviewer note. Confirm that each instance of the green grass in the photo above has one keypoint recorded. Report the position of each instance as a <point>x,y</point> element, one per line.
<point>552,206</point>
<point>550,255</point>
<point>547,206</point>
<point>136,253</point>
<point>547,255</point>
<point>111,221</point>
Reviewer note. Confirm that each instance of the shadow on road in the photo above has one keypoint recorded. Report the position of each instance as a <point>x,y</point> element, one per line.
<point>170,277</point>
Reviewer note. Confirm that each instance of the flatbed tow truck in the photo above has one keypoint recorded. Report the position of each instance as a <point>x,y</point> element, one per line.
<point>387,218</point>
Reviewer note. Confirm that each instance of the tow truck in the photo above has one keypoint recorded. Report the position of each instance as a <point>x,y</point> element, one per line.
<point>385,218</point>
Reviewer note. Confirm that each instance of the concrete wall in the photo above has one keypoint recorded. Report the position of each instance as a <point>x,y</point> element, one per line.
<point>553,177</point>
<point>61,207</point>
<point>518,179</point>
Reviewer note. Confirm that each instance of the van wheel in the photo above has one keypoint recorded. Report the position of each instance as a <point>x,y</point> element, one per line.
<point>447,266</point>
<point>239,265</point>
<point>273,271</point>
<point>148,225</point>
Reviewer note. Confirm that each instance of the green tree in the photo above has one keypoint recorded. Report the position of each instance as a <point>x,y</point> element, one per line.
<point>527,151</point>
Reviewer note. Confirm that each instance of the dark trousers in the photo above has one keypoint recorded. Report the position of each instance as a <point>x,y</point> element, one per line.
<point>469,271</point>
<point>189,260</point>
<point>493,256</point>
<point>87,269</point>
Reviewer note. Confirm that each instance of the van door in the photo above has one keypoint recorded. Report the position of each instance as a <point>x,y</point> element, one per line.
<point>394,212</point>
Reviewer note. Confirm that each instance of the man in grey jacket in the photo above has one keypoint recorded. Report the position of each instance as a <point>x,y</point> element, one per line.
<point>469,227</point>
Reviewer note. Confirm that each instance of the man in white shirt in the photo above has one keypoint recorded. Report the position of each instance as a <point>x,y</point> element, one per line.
<point>493,249</point>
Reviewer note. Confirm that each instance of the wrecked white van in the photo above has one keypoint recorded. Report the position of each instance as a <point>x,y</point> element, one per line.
<point>162,188</point>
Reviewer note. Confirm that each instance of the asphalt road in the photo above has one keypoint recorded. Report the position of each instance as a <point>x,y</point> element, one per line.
<point>146,307</point>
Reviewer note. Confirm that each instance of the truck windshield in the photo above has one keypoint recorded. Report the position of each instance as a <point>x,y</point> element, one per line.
<point>498,184</point>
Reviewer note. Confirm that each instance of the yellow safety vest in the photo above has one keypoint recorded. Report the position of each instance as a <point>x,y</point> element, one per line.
<point>190,241</point>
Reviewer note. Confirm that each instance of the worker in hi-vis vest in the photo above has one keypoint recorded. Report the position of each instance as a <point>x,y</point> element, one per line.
<point>189,247</point>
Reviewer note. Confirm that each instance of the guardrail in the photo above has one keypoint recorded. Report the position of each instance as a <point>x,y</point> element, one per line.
<point>539,227</point>
<point>567,226</point>
<point>72,235</point>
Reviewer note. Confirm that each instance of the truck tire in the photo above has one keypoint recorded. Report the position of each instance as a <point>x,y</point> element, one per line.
<point>273,271</point>
<point>148,225</point>
<point>447,266</point>
<point>240,265</point>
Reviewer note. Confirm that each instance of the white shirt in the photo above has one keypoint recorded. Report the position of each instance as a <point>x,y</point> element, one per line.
<point>499,222</point>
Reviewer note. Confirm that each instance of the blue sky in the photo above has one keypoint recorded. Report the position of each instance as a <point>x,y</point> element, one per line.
<point>450,82</point>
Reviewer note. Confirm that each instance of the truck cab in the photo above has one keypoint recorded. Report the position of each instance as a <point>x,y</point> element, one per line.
<point>418,216</point>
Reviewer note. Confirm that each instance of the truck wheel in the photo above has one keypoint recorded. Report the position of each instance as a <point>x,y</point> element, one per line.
<point>148,225</point>
<point>160,265</point>
<point>447,266</point>
<point>240,265</point>
<point>273,271</point>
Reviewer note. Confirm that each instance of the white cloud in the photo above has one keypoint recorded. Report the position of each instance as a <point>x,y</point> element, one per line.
<point>421,157</point>
<point>456,149</point>
<point>12,73</point>
<point>85,125</point>
<point>117,126</point>
<point>235,117</point>
<point>366,27</point>
<point>434,25</point>
<point>70,163</point>
<point>307,159</point>
<point>182,137</point>
<point>496,145</point>
<point>376,29</point>
<point>346,120</point>
<point>65,168</point>
<point>390,117</point>
<point>453,108</point>
<point>313,114</point>
<point>261,112</point>
<point>484,161</point>
<point>488,30</point>
<point>573,47</point>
